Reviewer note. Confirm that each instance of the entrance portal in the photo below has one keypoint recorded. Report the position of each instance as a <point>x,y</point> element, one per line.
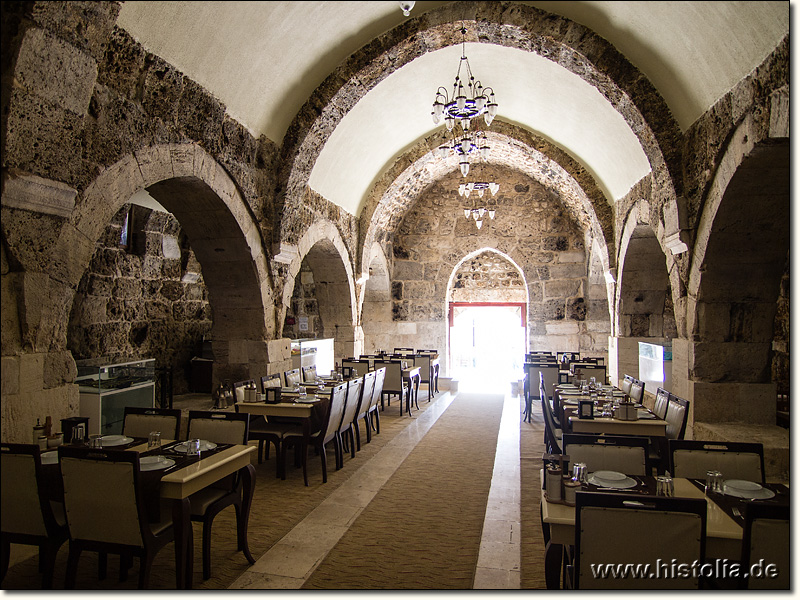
<point>487,345</point>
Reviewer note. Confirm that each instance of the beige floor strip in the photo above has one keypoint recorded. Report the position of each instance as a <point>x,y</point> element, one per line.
<point>499,556</point>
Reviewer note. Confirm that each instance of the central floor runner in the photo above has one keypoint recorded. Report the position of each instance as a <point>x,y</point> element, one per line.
<point>423,529</point>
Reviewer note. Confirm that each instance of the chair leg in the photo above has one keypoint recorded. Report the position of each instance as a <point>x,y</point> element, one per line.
<point>5,557</point>
<point>324,464</point>
<point>145,563</point>
<point>351,435</point>
<point>102,565</point>
<point>125,563</point>
<point>358,434</point>
<point>72,566</point>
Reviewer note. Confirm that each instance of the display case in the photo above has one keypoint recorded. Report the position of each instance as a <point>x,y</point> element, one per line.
<point>655,366</point>
<point>313,352</point>
<point>107,388</point>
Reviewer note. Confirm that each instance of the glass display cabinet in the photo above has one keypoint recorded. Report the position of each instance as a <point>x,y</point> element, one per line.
<point>107,388</point>
<point>655,366</point>
<point>313,352</point>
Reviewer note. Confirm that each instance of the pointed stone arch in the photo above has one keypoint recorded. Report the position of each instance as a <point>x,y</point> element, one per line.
<point>556,38</point>
<point>326,253</point>
<point>643,306</point>
<point>740,254</point>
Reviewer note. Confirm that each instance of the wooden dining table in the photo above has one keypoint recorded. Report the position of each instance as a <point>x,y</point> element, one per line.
<point>179,482</point>
<point>652,428</point>
<point>723,534</point>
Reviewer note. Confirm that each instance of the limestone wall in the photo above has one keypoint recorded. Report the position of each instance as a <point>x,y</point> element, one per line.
<point>148,301</point>
<point>531,228</point>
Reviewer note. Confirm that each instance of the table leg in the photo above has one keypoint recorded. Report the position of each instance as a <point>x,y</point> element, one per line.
<point>183,543</point>
<point>417,379</point>
<point>552,565</point>
<point>248,486</point>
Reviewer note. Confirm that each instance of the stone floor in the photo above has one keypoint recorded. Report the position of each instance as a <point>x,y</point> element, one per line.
<point>290,562</point>
<point>293,559</point>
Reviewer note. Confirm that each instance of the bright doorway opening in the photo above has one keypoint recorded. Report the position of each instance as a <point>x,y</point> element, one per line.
<point>487,345</point>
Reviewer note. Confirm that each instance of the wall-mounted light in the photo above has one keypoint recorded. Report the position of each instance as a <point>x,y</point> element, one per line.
<point>363,279</point>
<point>609,277</point>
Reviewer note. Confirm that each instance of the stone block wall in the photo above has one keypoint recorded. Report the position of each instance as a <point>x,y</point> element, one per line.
<point>531,228</point>
<point>304,304</point>
<point>148,301</point>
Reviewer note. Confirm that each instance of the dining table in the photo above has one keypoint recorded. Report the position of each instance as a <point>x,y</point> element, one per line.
<point>176,482</point>
<point>724,526</point>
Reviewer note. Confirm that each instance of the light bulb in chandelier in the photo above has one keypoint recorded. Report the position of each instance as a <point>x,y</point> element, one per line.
<point>479,223</point>
<point>491,213</point>
<point>467,213</point>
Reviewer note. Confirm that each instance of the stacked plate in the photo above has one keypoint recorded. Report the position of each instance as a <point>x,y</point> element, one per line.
<point>747,489</point>
<point>205,445</point>
<point>115,440</point>
<point>154,463</point>
<point>50,458</point>
<point>611,479</point>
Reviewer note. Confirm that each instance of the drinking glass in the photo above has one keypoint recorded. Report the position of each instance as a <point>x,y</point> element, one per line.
<point>96,441</point>
<point>154,440</point>
<point>580,472</point>
<point>714,482</point>
<point>193,447</point>
<point>78,434</point>
<point>665,486</point>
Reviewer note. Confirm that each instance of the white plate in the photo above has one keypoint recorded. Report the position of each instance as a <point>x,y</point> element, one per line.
<point>742,485</point>
<point>623,484</point>
<point>154,463</point>
<point>762,494</point>
<point>609,475</point>
<point>115,440</point>
<point>204,445</point>
<point>50,458</point>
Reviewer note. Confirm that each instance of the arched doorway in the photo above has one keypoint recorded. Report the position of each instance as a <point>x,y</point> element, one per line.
<point>487,310</point>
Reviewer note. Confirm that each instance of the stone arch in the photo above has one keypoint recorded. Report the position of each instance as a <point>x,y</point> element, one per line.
<point>516,149</point>
<point>376,302</point>
<point>513,25</point>
<point>452,283</point>
<point>741,252</point>
<point>218,222</point>
<point>643,301</point>
<point>325,252</point>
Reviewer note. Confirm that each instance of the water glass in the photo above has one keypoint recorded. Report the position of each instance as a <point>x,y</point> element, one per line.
<point>193,447</point>
<point>665,486</point>
<point>580,472</point>
<point>96,442</point>
<point>714,482</point>
<point>78,434</point>
<point>154,440</point>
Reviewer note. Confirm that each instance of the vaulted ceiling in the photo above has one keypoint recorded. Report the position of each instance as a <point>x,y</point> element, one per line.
<point>263,60</point>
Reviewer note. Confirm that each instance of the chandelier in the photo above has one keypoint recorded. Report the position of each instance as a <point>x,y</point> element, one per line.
<point>479,188</point>
<point>464,104</point>
<point>468,143</point>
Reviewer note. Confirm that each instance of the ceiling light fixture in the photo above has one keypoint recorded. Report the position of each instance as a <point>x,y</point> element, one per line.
<point>406,7</point>
<point>467,103</point>
<point>479,188</point>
